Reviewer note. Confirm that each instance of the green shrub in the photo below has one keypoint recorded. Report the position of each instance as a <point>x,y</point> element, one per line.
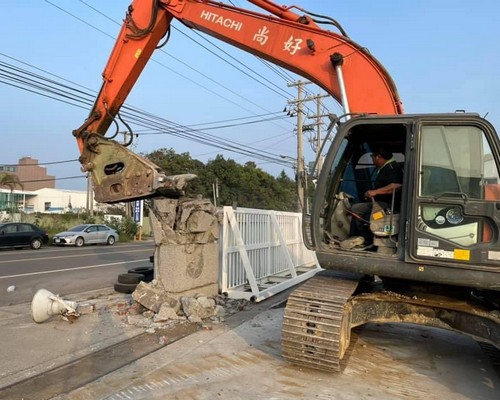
<point>126,227</point>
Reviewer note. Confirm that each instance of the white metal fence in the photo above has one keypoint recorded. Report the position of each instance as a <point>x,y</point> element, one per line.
<point>263,253</point>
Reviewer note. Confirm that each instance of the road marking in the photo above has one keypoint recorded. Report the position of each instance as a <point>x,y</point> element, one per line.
<point>72,269</point>
<point>76,255</point>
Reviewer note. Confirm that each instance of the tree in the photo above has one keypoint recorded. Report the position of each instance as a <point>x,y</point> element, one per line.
<point>249,186</point>
<point>243,185</point>
<point>10,181</point>
<point>173,163</point>
<point>177,164</point>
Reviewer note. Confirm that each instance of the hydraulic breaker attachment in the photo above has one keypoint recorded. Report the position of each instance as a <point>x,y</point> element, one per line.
<point>120,175</point>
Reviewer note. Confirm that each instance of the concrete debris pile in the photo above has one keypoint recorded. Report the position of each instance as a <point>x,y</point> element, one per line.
<point>151,308</point>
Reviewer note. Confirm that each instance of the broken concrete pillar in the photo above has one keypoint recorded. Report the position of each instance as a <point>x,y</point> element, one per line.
<point>186,233</point>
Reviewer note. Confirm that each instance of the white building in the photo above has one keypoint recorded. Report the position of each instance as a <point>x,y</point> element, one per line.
<point>58,200</point>
<point>45,200</point>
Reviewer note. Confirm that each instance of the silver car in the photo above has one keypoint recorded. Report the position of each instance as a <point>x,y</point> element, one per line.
<point>86,234</point>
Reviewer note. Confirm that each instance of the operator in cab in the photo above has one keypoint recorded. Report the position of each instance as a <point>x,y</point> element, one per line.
<point>388,182</point>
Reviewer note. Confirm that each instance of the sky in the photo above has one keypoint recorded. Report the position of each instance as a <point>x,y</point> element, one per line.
<point>443,56</point>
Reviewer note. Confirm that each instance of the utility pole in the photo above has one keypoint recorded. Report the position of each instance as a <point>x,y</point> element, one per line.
<point>215,189</point>
<point>127,141</point>
<point>319,157</point>
<point>319,139</point>
<point>90,195</point>
<point>300,150</point>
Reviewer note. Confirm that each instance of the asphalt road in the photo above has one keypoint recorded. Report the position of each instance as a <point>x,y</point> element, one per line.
<point>66,270</point>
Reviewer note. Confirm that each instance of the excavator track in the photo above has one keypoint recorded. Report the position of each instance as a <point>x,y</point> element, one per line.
<point>316,323</point>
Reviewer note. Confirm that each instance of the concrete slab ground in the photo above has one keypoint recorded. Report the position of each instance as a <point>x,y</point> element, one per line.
<point>384,362</point>
<point>28,348</point>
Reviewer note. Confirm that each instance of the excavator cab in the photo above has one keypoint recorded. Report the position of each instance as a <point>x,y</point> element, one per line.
<point>352,174</point>
<point>435,258</point>
<point>444,223</point>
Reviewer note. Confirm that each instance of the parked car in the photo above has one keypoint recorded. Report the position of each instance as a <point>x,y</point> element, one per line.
<point>21,234</point>
<point>86,234</point>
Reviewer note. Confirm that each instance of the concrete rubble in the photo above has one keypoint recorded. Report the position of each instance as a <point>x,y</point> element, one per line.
<point>186,234</point>
<point>150,307</point>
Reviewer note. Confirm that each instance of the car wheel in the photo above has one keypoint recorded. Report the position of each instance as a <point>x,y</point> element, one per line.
<point>79,242</point>
<point>36,243</point>
<point>111,240</point>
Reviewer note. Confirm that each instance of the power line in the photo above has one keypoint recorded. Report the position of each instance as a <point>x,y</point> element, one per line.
<point>276,118</point>
<point>141,118</point>
<point>283,93</point>
<point>164,66</point>
<point>187,65</point>
<point>45,163</point>
<point>170,127</point>
<point>281,72</point>
<point>54,179</point>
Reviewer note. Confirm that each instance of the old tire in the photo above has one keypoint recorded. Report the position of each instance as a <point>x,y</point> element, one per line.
<point>131,278</point>
<point>125,287</point>
<point>148,272</point>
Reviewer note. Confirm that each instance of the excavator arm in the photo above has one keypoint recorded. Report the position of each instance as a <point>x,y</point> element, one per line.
<point>295,42</point>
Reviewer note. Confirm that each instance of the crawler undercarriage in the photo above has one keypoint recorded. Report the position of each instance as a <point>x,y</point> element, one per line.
<point>320,314</point>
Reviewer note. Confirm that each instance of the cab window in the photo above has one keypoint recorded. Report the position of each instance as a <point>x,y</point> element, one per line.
<point>456,167</point>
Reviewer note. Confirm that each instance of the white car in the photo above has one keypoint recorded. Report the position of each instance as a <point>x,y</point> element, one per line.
<point>86,234</point>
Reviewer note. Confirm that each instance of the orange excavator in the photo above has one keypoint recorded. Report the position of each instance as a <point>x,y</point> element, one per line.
<point>435,257</point>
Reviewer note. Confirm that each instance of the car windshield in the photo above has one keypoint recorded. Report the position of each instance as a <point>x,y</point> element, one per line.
<point>78,228</point>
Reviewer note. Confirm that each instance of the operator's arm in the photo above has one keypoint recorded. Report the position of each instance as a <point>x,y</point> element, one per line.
<point>389,189</point>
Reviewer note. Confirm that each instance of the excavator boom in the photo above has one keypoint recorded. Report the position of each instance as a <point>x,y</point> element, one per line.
<point>334,62</point>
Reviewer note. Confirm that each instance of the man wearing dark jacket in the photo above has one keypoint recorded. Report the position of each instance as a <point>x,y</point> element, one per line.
<point>388,182</point>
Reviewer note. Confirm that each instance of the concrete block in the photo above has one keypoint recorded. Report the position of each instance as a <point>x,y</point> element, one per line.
<point>153,297</point>
<point>167,313</point>
<point>162,217</point>
<point>194,310</point>
<point>186,254</point>
<point>199,221</point>
<point>188,267</point>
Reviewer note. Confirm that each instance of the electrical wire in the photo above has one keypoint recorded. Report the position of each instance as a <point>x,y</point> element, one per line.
<point>37,87</point>
<point>281,72</point>
<point>39,163</point>
<point>187,65</point>
<point>273,68</point>
<point>142,118</point>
